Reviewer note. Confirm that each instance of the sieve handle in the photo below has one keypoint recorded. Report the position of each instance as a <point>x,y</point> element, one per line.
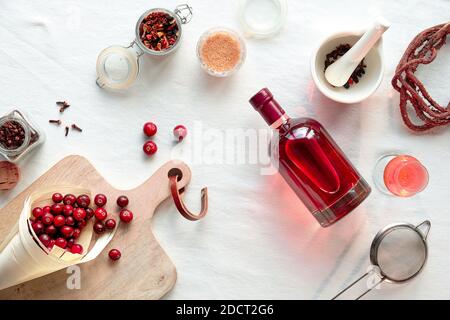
<point>355,282</point>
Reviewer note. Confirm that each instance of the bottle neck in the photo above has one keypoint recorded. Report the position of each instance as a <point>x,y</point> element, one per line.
<point>269,109</point>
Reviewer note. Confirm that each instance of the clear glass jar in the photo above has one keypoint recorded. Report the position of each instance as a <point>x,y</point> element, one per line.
<point>32,136</point>
<point>118,66</point>
<point>229,33</point>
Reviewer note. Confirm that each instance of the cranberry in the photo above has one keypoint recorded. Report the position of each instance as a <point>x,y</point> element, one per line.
<point>114,254</point>
<point>150,148</point>
<point>89,213</point>
<point>76,249</point>
<point>110,224</point>
<point>51,244</point>
<point>61,242</point>
<point>180,132</point>
<point>37,212</point>
<point>122,201</point>
<point>70,242</point>
<point>44,239</point>
<point>99,227</point>
<point>57,208</point>
<point>69,199</point>
<point>67,231</point>
<point>38,227</point>
<point>100,213</point>
<point>79,214</point>
<point>47,209</point>
<point>47,218</point>
<point>150,129</point>
<point>70,221</point>
<point>81,224</point>
<point>57,197</point>
<point>51,230</point>
<point>67,210</point>
<point>59,221</point>
<point>126,215</point>
<point>83,201</point>
<point>100,200</point>
<point>76,233</point>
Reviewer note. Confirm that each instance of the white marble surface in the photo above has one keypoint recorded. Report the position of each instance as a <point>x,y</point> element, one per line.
<point>258,241</point>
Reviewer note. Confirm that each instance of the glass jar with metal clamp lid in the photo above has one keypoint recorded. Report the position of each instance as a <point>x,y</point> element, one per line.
<point>158,33</point>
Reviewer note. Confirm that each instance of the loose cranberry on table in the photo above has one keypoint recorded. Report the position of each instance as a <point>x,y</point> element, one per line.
<point>83,201</point>
<point>76,249</point>
<point>51,230</point>
<point>110,224</point>
<point>67,210</point>
<point>114,254</point>
<point>150,148</point>
<point>69,199</point>
<point>59,221</point>
<point>100,200</point>
<point>47,219</point>
<point>100,214</point>
<point>57,208</point>
<point>66,231</point>
<point>99,227</point>
<point>70,221</point>
<point>122,201</point>
<point>126,215</point>
<point>38,227</point>
<point>57,197</point>
<point>79,214</point>
<point>44,239</point>
<point>61,242</point>
<point>150,129</point>
<point>180,132</point>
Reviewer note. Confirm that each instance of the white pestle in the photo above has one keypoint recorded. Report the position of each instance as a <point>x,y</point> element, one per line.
<point>338,73</point>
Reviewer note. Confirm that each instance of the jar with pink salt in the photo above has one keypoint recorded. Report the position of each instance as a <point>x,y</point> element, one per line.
<point>221,51</point>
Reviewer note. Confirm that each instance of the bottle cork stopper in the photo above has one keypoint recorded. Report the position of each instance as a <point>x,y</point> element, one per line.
<point>9,175</point>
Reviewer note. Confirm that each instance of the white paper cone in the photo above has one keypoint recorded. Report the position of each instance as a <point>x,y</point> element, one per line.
<point>22,259</point>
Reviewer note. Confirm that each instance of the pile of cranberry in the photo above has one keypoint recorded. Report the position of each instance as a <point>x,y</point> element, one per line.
<point>62,222</point>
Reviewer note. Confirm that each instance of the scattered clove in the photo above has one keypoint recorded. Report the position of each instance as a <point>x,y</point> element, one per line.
<point>67,131</point>
<point>77,128</point>
<point>63,105</point>
<point>57,122</point>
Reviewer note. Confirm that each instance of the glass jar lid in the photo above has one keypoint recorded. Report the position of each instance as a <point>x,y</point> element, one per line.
<point>262,18</point>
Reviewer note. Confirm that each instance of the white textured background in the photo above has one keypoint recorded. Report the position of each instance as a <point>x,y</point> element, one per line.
<point>258,241</point>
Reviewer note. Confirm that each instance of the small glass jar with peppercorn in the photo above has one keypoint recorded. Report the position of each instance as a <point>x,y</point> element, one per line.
<point>158,33</point>
<point>18,135</point>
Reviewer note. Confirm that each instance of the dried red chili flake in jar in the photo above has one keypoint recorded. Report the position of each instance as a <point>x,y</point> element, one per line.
<point>159,31</point>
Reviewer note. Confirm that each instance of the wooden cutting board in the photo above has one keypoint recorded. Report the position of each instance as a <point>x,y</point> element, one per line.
<point>144,271</point>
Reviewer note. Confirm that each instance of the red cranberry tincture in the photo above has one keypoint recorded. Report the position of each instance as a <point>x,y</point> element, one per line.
<point>311,162</point>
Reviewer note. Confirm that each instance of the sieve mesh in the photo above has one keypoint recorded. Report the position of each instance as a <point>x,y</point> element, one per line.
<point>401,254</point>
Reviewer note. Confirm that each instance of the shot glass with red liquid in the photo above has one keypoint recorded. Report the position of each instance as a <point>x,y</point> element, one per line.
<point>400,175</point>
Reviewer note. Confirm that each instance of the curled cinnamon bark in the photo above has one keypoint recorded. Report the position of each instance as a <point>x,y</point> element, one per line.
<point>422,50</point>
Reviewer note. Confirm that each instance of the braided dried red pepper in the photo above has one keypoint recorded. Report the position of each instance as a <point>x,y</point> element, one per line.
<point>422,50</point>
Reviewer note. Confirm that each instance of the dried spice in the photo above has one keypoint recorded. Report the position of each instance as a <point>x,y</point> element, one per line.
<point>159,31</point>
<point>334,55</point>
<point>63,105</point>
<point>57,122</point>
<point>221,51</point>
<point>77,128</point>
<point>12,135</point>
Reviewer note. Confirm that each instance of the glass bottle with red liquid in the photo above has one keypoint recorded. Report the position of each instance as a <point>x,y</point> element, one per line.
<point>312,163</point>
